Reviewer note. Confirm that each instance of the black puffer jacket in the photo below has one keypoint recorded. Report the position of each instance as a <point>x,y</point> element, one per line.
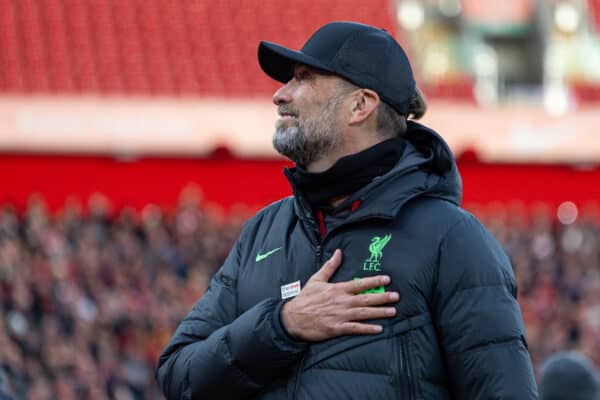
<point>458,333</point>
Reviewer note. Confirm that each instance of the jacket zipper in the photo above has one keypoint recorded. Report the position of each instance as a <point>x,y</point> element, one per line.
<point>407,366</point>
<point>319,243</point>
<point>297,383</point>
<point>301,365</point>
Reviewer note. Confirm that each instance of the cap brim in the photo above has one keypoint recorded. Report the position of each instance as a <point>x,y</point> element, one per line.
<point>278,61</point>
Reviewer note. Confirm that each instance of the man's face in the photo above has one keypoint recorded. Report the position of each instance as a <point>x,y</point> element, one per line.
<point>308,106</point>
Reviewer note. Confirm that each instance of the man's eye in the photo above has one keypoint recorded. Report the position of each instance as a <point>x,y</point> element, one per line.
<point>304,75</point>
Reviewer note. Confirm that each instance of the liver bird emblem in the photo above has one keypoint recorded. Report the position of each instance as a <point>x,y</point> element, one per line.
<point>373,263</point>
<point>376,247</point>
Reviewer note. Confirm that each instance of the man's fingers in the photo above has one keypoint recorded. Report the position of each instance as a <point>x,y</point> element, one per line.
<point>363,313</point>
<point>357,328</point>
<point>374,299</point>
<point>357,286</point>
<point>328,269</point>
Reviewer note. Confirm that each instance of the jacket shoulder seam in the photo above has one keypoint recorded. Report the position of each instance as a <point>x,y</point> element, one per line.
<point>357,371</point>
<point>489,344</point>
<point>503,285</point>
<point>463,219</point>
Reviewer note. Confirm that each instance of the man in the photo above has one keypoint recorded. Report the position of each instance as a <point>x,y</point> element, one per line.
<point>369,282</point>
<point>569,376</point>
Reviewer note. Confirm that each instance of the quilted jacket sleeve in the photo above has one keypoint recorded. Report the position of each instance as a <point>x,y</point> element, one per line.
<point>215,353</point>
<point>480,327</point>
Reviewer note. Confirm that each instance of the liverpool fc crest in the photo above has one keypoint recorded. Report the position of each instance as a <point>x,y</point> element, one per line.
<point>373,263</point>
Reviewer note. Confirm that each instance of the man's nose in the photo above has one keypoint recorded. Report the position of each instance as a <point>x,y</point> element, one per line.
<point>282,95</point>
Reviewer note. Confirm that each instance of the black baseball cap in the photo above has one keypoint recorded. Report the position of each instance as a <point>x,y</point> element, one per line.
<point>368,57</point>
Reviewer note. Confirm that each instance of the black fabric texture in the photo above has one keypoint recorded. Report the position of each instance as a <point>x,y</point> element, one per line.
<point>458,332</point>
<point>348,174</point>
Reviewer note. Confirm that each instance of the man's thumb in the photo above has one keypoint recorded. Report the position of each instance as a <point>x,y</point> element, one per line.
<point>328,269</point>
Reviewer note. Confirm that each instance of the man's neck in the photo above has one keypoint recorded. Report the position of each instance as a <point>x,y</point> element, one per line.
<point>352,144</point>
<point>349,174</point>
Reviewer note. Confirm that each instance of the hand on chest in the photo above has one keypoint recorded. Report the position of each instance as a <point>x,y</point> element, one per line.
<point>278,263</point>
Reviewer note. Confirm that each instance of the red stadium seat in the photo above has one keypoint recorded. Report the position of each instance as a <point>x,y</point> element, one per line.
<point>594,6</point>
<point>161,47</point>
<point>58,68</point>
<point>84,72</point>
<point>33,46</point>
<point>10,62</point>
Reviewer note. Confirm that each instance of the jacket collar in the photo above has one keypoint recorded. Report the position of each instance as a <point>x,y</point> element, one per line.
<point>426,168</point>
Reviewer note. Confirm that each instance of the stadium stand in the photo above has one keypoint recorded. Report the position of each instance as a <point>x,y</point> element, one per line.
<point>594,6</point>
<point>88,301</point>
<point>159,47</point>
<point>156,47</point>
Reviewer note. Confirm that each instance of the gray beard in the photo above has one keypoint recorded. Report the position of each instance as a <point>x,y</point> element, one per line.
<point>309,140</point>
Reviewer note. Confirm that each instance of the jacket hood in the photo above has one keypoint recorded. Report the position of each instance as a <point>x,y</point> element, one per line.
<point>569,375</point>
<point>429,152</point>
<point>427,168</point>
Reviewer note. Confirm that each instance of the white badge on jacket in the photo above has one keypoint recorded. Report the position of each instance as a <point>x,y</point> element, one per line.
<point>290,290</point>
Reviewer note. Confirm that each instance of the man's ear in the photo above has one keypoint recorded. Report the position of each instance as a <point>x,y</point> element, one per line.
<point>364,103</point>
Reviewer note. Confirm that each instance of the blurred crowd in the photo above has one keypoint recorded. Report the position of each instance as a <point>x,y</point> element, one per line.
<point>555,254</point>
<point>89,297</point>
